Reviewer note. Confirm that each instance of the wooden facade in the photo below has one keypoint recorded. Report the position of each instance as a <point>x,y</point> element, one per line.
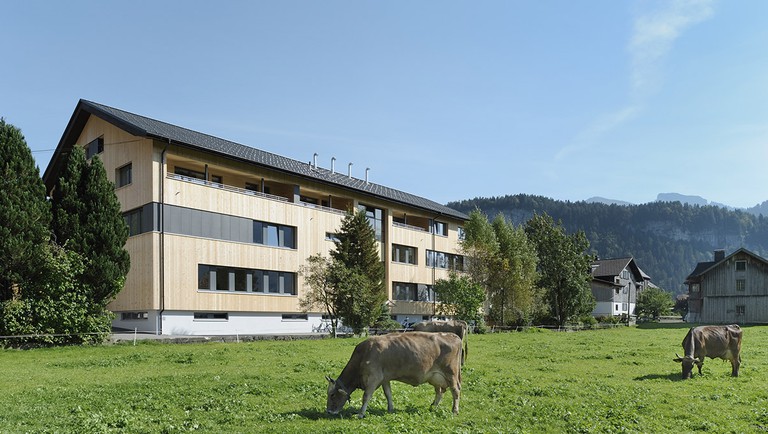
<point>217,239</point>
<point>730,289</point>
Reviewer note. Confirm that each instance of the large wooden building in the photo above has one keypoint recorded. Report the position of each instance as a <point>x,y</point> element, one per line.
<point>219,230</point>
<point>729,289</point>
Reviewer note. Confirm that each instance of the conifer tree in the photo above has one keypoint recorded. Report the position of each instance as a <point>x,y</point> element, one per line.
<point>360,291</point>
<point>89,222</point>
<point>25,213</point>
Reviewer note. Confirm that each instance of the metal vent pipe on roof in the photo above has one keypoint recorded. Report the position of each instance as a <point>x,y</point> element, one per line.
<point>367,169</point>
<point>349,170</point>
<point>333,165</point>
<point>314,161</point>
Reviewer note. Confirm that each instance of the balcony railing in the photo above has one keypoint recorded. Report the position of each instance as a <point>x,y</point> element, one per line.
<point>405,226</point>
<point>248,192</point>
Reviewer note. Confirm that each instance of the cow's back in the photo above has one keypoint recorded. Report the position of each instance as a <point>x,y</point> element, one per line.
<point>411,358</point>
<point>716,341</point>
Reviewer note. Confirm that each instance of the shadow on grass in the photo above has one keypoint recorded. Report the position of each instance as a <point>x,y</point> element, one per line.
<point>351,412</point>
<point>669,377</point>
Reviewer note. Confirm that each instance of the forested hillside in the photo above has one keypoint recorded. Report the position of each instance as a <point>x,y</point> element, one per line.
<point>667,239</point>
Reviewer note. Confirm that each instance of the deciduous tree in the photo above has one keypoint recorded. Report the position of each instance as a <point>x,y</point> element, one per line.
<point>564,268</point>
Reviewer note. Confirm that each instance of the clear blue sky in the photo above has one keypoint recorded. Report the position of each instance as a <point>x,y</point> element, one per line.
<point>444,99</point>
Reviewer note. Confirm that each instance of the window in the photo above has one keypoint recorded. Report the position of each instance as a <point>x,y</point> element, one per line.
<point>741,265</point>
<point>215,316</point>
<point>295,317</point>
<point>403,254</point>
<point>413,291</point>
<point>404,291</point>
<point>740,310</point>
<point>439,228</point>
<point>462,233</point>
<point>243,280</point>
<point>94,147</point>
<point>133,220</point>
<point>132,316</point>
<point>445,260</point>
<point>330,236</point>
<point>375,216</point>
<point>694,287</point>
<point>217,179</point>
<point>274,235</point>
<point>741,284</point>
<point>124,175</point>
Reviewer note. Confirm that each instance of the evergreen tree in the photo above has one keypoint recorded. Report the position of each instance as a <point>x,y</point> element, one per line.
<point>564,268</point>
<point>25,214</point>
<point>359,281</point>
<point>89,222</point>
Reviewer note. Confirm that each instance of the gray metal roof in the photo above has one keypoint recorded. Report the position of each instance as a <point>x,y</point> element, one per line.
<point>146,127</point>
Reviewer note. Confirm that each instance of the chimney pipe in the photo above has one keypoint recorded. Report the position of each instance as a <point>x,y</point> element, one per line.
<point>314,161</point>
<point>333,165</point>
<point>349,170</point>
<point>366,174</point>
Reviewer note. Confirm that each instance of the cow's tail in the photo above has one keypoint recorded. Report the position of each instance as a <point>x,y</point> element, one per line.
<point>466,350</point>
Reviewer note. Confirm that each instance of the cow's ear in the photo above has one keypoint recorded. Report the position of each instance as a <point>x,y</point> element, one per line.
<point>679,360</point>
<point>330,380</point>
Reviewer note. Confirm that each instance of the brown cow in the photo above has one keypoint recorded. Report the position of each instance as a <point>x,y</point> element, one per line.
<point>711,341</point>
<point>457,327</point>
<point>412,358</point>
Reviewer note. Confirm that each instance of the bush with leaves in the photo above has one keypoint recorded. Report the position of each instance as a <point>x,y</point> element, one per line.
<point>55,309</point>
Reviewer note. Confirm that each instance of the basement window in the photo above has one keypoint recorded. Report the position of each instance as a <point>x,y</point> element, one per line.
<point>211,316</point>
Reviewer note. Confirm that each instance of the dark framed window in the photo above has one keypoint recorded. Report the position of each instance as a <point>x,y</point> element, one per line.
<point>741,265</point>
<point>741,284</point>
<point>439,228</point>
<point>740,310</point>
<point>94,147</point>
<point>403,254</point>
<point>133,220</point>
<point>124,175</point>
<point>220,316</point>
<point>243,280</point>
<point>375,219</point>
<point>131,316</point>
<point>271,234</point>
<point>295,317</point>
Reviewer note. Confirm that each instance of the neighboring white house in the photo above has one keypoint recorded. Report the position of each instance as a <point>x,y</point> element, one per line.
<point>615,285</point>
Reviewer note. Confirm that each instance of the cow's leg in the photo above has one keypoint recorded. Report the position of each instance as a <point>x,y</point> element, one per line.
<point>456,392</point>
<point>388,394</point>
<point>700,365</point>
<point>367,397</point>
<point>438,395</point>
<point>735,363</point>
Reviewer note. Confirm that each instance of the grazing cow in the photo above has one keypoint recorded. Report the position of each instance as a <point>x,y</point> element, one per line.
<point>413,358</point>
<point>711,341</point>
<point>457,327</point>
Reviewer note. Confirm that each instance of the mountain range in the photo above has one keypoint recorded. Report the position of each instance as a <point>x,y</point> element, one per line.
<point>761,208</point>
<point>666,238</point>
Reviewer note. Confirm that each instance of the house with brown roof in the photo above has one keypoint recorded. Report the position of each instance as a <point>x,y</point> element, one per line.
<point>729,289</point>
<point>615,286</point>
<point>220,230</point>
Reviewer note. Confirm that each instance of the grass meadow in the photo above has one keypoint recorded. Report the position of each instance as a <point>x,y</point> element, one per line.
<point>602,381</point>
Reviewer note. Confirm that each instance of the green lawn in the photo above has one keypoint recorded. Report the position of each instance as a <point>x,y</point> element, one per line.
<point>619,380</point>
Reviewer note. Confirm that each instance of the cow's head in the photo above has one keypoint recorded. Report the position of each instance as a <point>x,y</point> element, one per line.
<point>337,396</point>
<point>687,363</point>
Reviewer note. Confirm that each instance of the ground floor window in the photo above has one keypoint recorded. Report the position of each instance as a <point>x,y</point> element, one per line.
<point>412,291</point>
<point>131,316</point>
<point>214,316</point>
